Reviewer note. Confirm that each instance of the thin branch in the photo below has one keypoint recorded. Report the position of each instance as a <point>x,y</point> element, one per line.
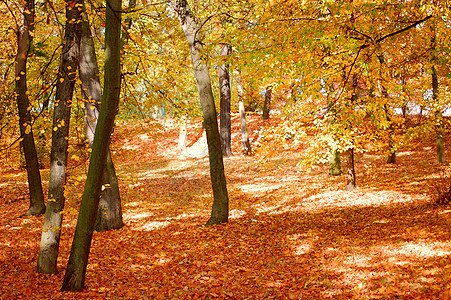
<point>403,29</point>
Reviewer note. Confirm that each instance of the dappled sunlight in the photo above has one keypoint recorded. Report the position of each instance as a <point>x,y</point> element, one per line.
<point>137,216</point>
<point>361,197</point>
<point>153,225</point>
<point>380,267</point>
<point>258,189</point>
<point>405,153</point>
<point>236,213</point>
<point>291,234</point>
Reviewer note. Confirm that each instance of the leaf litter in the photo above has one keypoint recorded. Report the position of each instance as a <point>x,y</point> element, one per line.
<point>292,234</point>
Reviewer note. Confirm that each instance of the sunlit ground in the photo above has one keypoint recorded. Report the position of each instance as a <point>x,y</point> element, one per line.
<point>292,234</point>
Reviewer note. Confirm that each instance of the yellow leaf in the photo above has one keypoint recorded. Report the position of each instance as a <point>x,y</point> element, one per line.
<point>61,79</point>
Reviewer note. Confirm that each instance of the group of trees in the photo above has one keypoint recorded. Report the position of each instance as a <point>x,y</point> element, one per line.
<point>348,71</point>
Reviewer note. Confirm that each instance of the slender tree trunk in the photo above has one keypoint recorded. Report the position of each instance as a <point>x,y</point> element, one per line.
<point>334,153</point>
<point>76,268</point>
<point>181,146</point>
<point>225,121</point>
<point>51,232</point>
<point>25,43</point>
<point>244,134</point>
<point>350,183</point>
<point>391,159</point>
<point>220,208</point>
<point>441,157</point>
<point>110,209</point>
<point>351,178</point>
<point>267,103</point>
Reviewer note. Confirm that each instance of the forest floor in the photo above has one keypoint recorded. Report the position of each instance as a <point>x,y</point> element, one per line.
<point>292,234</point>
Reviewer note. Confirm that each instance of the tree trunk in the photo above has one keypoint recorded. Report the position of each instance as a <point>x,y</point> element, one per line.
<point>391,159</point>
<point>25,42</point>
<point>110,210</point>
<point>244,134</point>
<point>334,162</point>
<point>220,208</point>
<point>78,260</point>
<point>441,157</point>
<point>181,146</point>
<point>267,103</point>
<point>350,184</point>
<point>334,153</point>
<point>109,214</point>
<point>225,121</point>
<point>51,232</point>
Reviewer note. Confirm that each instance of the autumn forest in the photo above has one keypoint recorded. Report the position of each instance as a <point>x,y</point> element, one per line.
<point>235,149</point>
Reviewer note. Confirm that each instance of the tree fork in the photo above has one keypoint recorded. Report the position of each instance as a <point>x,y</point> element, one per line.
<point>74,277</point>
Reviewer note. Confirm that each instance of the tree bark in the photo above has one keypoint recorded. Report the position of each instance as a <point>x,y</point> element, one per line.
<point>220,208</point>
<point>51,232</point>
<point>350,184</point>
<point>76,268</point>
<point>267,103</point>
<point>334,153</point>
<point>334,162</point>
<point>110,210</point>
<point>351,178</point>
<point>244,133</point>
<point>225,121</point>
<point>181,145</point>
<point>25,42</point>
<point>441,157</point>
<point>391,159</point>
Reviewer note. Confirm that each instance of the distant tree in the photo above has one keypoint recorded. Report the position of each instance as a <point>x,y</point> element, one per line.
<point>441,157</point>
<point>25,33</point>
<point>51,232</point>
<point>244,133</point>
<point>220,208</point>
<point>225,97</point>
<point>267,103</point>
<point>350,165</point>
<point>74,277</point>
<point>183,133</point>
<point>391,159</point>
<point>334,151</point>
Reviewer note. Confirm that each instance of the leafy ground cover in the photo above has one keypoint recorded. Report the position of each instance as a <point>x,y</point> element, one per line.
<point>293,233</point>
